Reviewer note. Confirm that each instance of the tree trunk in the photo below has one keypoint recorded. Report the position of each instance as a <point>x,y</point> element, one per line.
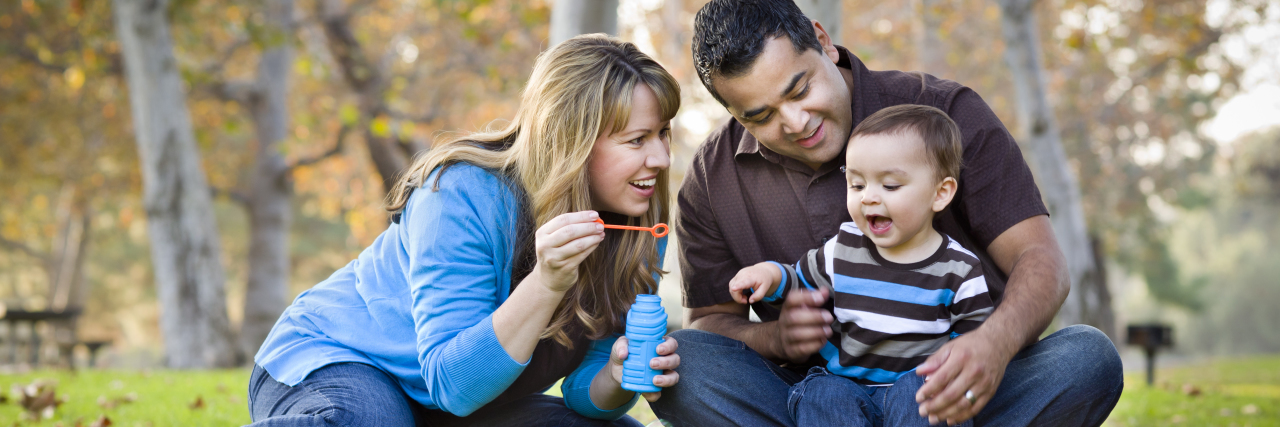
<point>66,262</point>
<point>931,57</point>
<point>570,18</point>
<point>270,207</point>
<point>1039,130</point>
<point>65,266</point>
<point>369,80</point>
<point>185,250</point>
<point>827,12</point>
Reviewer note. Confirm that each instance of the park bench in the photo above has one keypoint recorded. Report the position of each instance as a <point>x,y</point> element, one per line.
<point>22,328</point>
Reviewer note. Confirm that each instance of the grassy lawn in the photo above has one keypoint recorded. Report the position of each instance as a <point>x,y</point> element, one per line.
<point>159,398</point>
<point>1227,392</point>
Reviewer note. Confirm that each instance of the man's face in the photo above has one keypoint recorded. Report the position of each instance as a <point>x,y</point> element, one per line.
<point>796,104</point>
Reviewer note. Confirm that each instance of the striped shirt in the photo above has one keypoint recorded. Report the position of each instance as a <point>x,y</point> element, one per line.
<point>889,317</point>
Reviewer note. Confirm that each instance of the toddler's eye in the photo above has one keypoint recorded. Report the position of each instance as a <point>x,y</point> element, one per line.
<point>856,187</point>
<point>892,187</point>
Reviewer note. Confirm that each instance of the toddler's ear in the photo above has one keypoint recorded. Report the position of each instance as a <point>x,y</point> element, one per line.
<point>945,192</point>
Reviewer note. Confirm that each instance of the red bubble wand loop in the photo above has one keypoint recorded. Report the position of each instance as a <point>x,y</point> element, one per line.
<point>652,230</point>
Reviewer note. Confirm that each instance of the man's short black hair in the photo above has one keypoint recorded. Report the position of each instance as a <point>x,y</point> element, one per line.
<point>728,35</point>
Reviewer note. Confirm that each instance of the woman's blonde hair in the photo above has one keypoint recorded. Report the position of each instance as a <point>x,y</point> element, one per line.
<point>579,89</point>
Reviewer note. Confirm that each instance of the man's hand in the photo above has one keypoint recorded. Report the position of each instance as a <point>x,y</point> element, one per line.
<point>973,362</point>
<point>804,325</point>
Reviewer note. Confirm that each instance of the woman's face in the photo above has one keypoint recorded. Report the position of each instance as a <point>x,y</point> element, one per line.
<point>624,165</point>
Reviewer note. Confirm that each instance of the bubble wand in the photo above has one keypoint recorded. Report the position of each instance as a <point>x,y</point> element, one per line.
<point>652,230</point>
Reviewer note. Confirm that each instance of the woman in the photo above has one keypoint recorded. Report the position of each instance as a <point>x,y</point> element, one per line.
<point>494,281</point>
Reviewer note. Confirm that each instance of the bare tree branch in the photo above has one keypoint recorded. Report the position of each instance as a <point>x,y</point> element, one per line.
<point>34,59</point>
<point>233,195</point>
<point>215,67</point>
<point>18,246</point>
<point>427,117</point>
<point>337,148</point>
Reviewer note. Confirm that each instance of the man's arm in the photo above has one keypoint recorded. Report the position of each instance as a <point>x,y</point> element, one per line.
<point>1038,284</point>
<point>1038,281</point>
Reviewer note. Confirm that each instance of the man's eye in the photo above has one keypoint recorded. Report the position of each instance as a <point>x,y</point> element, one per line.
<point>804,92</point>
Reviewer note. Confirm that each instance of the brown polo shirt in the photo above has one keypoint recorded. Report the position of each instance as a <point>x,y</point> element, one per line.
<point>741,203</point>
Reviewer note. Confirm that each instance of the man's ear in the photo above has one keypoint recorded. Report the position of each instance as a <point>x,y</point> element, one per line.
<point>945,192</point>
<point>824,39</point>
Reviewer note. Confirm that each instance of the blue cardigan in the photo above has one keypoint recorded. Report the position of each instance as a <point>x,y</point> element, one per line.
<point>418,304</point>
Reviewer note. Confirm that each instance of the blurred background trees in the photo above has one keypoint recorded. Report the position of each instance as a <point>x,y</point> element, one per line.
<point>302,111</point>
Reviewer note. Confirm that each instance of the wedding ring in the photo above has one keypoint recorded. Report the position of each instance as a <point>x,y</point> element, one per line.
<point>968,395</point>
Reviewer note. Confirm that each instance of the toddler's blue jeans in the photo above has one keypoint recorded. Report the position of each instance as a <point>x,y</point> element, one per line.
<point>1071,378</point>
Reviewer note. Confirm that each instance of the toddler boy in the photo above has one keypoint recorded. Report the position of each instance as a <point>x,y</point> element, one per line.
<point>900,289</point>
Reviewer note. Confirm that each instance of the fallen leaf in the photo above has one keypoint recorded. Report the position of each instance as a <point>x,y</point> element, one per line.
<point>198,404</point>
<point>112,403</point>
<point>1249,409</point>
<point>222,388</point>
<point>102,421</point>
<point>39,399</point>
<point>1190,390</point>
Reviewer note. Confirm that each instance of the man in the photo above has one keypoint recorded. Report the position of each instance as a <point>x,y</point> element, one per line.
<point>767,186</point>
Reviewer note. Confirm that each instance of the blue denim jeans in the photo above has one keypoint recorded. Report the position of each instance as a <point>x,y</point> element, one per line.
<point>826,399</point>
<point>356,394</point>
<point>1071,378</point>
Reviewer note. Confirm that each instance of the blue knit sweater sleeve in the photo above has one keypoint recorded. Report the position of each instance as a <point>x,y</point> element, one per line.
<point>458,264</point>
<point>576,388</point>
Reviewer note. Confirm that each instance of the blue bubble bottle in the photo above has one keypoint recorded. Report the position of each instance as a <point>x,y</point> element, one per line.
<point>646,326</point>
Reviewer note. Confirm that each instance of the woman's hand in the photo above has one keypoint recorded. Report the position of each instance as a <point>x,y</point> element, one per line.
<point>562,244</point>
<point>667,361</point>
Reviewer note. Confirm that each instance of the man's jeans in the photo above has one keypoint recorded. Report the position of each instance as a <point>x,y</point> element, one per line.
<point>1071,378</point>
<point>355,394</point>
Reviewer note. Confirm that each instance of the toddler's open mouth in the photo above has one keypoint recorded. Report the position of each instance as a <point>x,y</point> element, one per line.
<point>879,224</point>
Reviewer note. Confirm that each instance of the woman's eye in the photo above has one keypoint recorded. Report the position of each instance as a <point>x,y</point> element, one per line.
<point>638,141</point>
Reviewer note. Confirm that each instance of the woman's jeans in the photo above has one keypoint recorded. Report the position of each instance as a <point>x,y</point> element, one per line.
<point>1071,378</point>
<point>356,394</point>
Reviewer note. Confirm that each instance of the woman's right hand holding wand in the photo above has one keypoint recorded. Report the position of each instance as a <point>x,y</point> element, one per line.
<point>562,244</point>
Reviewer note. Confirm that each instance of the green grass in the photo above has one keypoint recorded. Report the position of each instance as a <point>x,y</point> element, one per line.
<point>163,398</point>
<point>1232,392</point>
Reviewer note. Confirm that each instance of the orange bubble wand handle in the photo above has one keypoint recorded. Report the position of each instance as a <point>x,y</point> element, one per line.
<point>652,230</point>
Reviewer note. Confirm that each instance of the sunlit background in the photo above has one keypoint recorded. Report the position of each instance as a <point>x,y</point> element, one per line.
<point>1168,111</point>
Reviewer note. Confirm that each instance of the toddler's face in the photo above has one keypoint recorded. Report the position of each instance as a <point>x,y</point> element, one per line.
<point>892,188</point>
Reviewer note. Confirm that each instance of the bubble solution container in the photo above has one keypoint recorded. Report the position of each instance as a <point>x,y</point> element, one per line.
<point>646,326</point>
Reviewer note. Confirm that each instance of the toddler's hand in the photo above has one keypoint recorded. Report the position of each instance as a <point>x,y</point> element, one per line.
<point>759,279</point>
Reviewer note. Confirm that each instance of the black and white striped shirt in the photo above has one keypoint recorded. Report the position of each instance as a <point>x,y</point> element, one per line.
<point>889,317</point>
